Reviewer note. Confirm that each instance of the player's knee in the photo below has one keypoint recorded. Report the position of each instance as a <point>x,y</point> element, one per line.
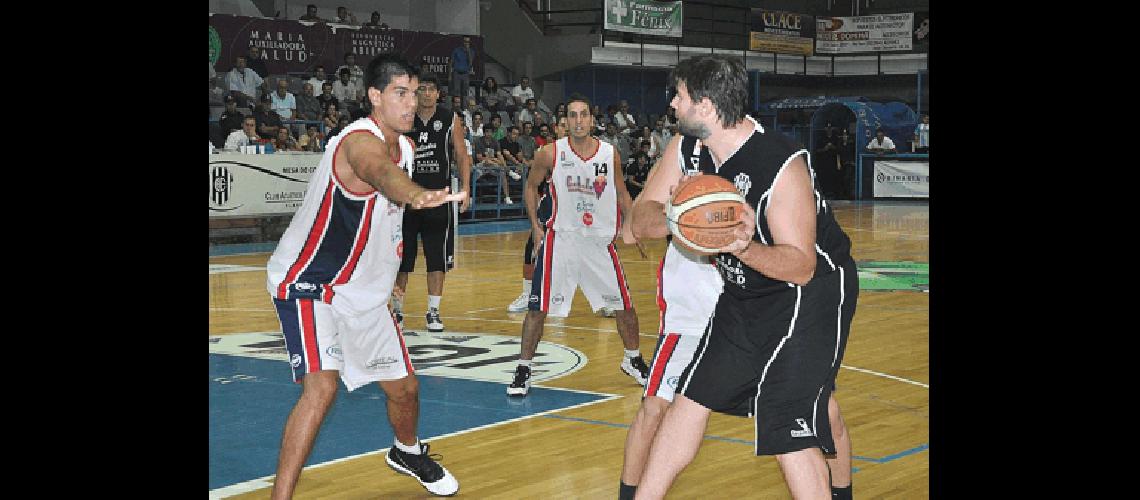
<point>404,390</point>
<point>652,409</point>
<point>320,386</point>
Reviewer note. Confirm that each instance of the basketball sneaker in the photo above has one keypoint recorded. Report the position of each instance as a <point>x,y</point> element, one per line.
<point>520,304</point>
<point>635,367</point>
<point>521,383</point>
<point>607,312</point>
<point>514,175</point>
<point>434,477</point>
<point>508,201</point>
<point>434,324</point>
<point>399,318</point>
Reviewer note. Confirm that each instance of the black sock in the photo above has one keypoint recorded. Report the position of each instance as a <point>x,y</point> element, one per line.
<point>843,493</point>
<point>626,492</point>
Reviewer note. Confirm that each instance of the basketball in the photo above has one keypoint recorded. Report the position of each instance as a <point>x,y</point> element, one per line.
<point>702,214</point>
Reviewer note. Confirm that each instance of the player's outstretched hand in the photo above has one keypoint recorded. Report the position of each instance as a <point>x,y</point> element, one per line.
<point>744,232</point>
<point>434,198</point>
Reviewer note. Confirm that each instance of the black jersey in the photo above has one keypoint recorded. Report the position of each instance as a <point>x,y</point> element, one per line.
<point>433,149</point>
<point>753,169</point>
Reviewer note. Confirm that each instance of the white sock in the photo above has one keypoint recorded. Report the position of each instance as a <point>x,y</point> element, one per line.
<point>433,301</point>
<point>525,362</point>
<point>413,449</point>
<point>397,304</point>
<point>632,353</point>
<point>526,286</point>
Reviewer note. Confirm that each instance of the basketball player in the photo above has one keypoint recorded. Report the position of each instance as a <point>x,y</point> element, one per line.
<point>576,246</point>
<point>543,212</point>
<point>332,272</point>
<point>777,334</point>
<point>436,138</point>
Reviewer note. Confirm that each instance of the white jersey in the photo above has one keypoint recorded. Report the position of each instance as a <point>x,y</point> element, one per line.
<point>688,286</point>
<point>582,190</point>
<point>341,247</point>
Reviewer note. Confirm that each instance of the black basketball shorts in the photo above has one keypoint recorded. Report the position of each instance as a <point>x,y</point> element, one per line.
<point>436,227</point>
<point>777,355</point>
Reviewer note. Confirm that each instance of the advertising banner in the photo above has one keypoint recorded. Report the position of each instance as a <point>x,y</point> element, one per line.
<point>903,179</point>
<point>644,16</point>
<point>877,33</point>
<point>245,184</point>
<point>291,46</point>
<point>782,32</point>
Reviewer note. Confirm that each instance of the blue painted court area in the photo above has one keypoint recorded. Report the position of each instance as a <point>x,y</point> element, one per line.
<point>251,398</point>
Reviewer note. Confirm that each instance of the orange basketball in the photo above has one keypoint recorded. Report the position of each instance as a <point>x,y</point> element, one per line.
<point>703,213</point>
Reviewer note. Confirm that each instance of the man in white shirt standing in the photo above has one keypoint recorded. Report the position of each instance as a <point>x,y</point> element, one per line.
<point>881,144</point>
<point>521,93</point>
<point>318,81</point>
<point>922,135</point>
<point>624,121</point>
<point>243,82</point>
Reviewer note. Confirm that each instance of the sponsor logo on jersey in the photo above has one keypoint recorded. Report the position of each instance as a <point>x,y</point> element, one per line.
<point>400,249</point>
<point>380,363</point>
<point>743,183</point>
<point>588,219</point>
<point>462,355</point>
<point>558,299</point>
<point>803,431</point>
<point>672,381</point>
<point>334,351</point>
<point>599,185</point>
<point>437,125</point>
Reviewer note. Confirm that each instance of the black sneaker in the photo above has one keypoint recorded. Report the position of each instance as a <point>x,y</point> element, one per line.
<point>521,384</point>
<point>434,324</point>
<point>423,467</point>
<point>635,367</point>
<point>399,318</point>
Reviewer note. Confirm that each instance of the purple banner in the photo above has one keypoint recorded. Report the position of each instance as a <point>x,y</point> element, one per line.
<point>290,46</point>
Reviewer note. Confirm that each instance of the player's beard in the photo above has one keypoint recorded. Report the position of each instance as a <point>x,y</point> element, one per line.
<point>695,128</point>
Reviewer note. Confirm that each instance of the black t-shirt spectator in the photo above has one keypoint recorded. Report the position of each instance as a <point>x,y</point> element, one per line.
<point>257,65</point>
<point>635,173</point>
<point>230,122</point>
<point>325,99</point>
<point>512,147</point>
<point>270,118</point>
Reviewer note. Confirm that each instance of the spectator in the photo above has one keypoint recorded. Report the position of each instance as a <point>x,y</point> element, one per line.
<point>602,119</point>
<point>217,93</point>
<point>663,134</point>
<point>331,116</point>
<point>283,101</point>
<point>308,107</point>
<point>343,16</point>
<point>257,64</point>
<point>522,92</point>
<point>318,80</point>
<point>527,146</point>
<point>356,75</point>
<point>655,148</point>
<point>243,82</point>
<point>311,14</point>
<point>827,164</point>
<point>231,118</point>
<point>470,111</point>
<point>497,127</point>
<point>268,121</point>
<point>462,67</point>
<point>360,110</point>
<point>285,141</point>
<point>244,136</point>
<point>312,141</point>
<point>341,123</point>
<point>532,114</point>
<point>457,104</point>
<point>636,174</point>
<point>671,119</point>
<point>544,136</point>
<point>495,98</point>
<point>881,144</point>
<point>846,146</point>
<point>477,126</point>
<point>922,135</point>
<point>489,160</point>
<point>375,22</point>
<point>624,121</point>
<point>344,90</point>
<point>512,150</point>
<point>327,97</point>
<point>620,142</point>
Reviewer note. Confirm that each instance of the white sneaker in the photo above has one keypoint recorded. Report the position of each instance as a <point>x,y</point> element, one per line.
<point>507,200</point>
<point>434,477</point>
<point>520,304</point>
<point>514,175</point>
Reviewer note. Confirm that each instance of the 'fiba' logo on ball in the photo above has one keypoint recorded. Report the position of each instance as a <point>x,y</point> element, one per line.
<point>221,180</point>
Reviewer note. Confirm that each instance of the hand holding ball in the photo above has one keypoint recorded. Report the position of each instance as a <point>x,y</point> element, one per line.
<point>703,212</point>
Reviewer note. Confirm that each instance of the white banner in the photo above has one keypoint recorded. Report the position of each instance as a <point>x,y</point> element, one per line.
<point>878,33</point>
<point>910,179</point>
<point>242,184</point>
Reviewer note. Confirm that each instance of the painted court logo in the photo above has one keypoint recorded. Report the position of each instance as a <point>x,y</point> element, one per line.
<point>470,356</point>
<point>885,276</point>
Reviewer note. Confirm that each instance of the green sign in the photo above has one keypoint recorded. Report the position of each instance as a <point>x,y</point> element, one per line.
<point>644,16</point>
<point>215,45</point>
<point>882,276</point>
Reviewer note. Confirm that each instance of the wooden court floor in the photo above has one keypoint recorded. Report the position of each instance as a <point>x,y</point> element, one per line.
<point>883,388</point>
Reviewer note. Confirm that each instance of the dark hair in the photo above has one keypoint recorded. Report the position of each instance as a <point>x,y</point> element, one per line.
<point>514,129</point>
<point>311,6</point>
<point>578,97</point>
<point>430,78</point>
<point>646,143</point>
<point>344,71</point>
<point>721,79</point>
<point>385,66</point>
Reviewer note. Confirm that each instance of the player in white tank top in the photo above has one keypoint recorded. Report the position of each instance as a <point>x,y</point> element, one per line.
<point>332,273</point>
<point>583,192</point>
